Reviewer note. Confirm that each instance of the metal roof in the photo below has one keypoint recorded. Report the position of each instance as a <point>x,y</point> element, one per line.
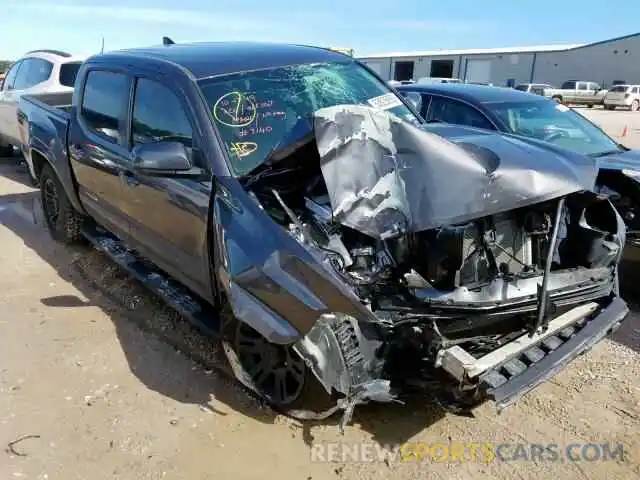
<point>217,58</point>
<point>473,94</point>
<point>475,51</point>
<point>490,51</point>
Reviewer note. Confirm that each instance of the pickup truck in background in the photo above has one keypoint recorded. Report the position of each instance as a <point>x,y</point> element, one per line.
<point>249,185</point>
<point>577,92</point>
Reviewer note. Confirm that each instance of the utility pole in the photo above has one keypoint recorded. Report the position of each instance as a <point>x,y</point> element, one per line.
<point>102,47</point>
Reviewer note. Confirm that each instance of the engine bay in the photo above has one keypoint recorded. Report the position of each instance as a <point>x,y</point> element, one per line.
<point>415,269</point>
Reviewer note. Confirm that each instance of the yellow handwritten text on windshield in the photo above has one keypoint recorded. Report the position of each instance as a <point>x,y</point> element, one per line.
<point>235,109</point>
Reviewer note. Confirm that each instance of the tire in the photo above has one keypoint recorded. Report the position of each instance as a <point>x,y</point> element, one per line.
<point>610,107</point>
<point>590,105</point>
<point>305,393</point>
<point>557,99</point>
<point>63,221</point>
<point>635,105</point>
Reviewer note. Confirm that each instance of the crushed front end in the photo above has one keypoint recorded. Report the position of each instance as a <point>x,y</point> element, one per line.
<point>480,268</point>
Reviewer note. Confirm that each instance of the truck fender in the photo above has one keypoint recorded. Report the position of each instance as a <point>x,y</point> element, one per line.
<point>270,281</point>
<point>62,170</point>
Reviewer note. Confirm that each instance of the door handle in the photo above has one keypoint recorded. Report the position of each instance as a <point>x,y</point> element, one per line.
<point>128,178</point>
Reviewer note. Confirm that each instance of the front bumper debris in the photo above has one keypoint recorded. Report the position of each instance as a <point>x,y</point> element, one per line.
<point>518,367</point>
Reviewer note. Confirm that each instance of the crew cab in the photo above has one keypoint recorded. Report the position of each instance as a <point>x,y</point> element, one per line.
<point>286,199</point>
<point>577,92</point>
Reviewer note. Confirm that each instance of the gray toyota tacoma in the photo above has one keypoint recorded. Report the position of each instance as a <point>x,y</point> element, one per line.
<point>285,199</point>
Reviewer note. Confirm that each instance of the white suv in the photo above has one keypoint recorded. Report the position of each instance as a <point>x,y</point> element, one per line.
<point>623,96</point>
<point>39,71</point>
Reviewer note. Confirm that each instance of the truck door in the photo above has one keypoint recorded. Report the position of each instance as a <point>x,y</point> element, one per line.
<point>98,147</point>
<point>582,94</point>
<point>168,214</point>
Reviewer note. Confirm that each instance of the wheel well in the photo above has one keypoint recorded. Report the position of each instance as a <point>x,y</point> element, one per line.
<point>39,161</point>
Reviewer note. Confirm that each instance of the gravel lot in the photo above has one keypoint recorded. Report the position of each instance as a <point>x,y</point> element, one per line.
<point>111,384</point>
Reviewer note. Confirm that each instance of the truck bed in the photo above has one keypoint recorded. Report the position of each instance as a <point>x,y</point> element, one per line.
<point>43,122</point>
<point>55,103</point>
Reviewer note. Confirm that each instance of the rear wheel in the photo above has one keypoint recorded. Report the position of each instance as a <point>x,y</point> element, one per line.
<point>610,107</point>
<point>63,221</point>
<point>635,105</point>
<point>590,105</point>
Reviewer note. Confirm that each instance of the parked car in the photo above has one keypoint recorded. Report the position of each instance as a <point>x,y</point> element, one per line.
<point>577,92</point>
<point>438,80</point>
<point>257,179</point>
<point>514,112</point>
<point>537,88</point>
<point>627,96</point>
<point>39,71</point>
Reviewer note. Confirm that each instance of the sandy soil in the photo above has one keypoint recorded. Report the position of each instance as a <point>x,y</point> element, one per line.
<point>113,385</point>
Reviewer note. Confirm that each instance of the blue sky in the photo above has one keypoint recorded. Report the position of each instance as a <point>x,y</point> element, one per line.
<point>368,26</point>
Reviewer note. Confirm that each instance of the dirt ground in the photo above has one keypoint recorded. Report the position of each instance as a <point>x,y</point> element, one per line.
<point>107,383</point>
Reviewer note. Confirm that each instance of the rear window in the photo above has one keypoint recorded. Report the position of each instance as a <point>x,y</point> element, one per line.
<point>68,73</point>
<point>619,88</point>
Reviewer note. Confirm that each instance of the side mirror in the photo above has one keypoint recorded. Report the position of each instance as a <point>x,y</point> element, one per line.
<point>162,159</point>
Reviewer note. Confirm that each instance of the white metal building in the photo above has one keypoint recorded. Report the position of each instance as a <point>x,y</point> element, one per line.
<point>617,59</point>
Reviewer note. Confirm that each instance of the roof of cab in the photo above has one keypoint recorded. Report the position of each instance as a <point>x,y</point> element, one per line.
<point>218,58</point>
<point>473,93</point>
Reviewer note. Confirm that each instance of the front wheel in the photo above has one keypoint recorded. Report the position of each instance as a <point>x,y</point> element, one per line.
<point>635,105</point>
<point>275,372</point>
<point>557,99</point>
<point>63,221</point>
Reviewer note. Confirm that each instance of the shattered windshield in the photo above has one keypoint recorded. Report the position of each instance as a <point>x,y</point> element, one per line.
<point>554,123</point>
<point>261,111</point>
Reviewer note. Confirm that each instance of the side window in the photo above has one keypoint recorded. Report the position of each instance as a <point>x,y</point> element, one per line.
<point>582,86</point>
<point>158,115</point>
<point>636,90</point>
<point>10,78</point>
<point>416,100</point>
<point>33,72</point>
<point>570,85</point>
<point>451,111</point>
<point>68,73</point>
<point>104,103</point>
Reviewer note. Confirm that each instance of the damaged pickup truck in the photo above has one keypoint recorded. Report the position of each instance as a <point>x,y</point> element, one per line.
<point>285,198</point>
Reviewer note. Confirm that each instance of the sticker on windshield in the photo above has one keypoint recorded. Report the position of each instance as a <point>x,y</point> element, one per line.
<point>385,102</point>
<point>562,108</point>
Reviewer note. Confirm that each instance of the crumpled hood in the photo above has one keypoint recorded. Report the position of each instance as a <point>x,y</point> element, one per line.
<point>386,176</point>
<point>629,160</point>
